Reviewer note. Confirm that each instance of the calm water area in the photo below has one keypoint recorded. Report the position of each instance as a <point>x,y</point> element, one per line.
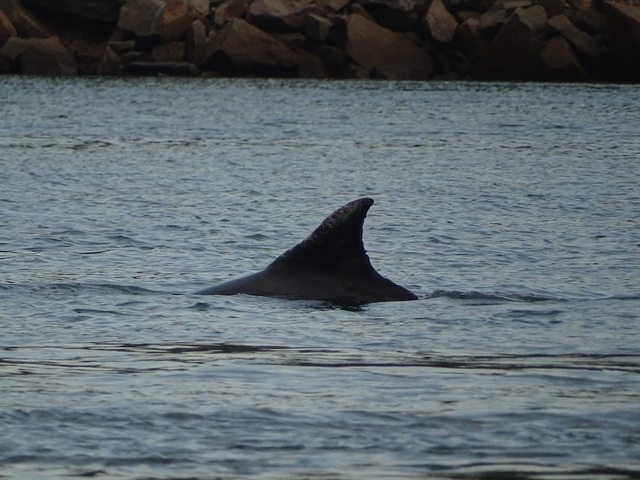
<point>511,210</point>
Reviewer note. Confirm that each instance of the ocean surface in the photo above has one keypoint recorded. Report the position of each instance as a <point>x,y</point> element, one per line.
<point>511,210</point>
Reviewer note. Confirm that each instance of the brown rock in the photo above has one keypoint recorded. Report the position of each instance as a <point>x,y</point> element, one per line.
<point>383,52</point>
<point>230,9</point>
<point>552,7</point>
<point>561,63</point>
<point>38,56</point>
<point>334,6</point>
<point>441,24</point>
<point>175,19</point>
<point>317,28</point>
<point>583,42</point>
<point>171,52</point>
<point>24,23</point>
<point>515,52</point>
<point>167,19</point>
<point>310,66</point>
<point>110,63</point>
<point>493,19</point>
<point>6,28</point>
<point>394,14</point>
<point>624,26</point>
<point>140,17</point>
<point>470,40</point>
<point>278,14</point>
<point>100,10</point>
<point>196,41</point>
<point>241,47</point>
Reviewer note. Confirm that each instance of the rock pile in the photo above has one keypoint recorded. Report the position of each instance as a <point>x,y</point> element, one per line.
<point>559,40</point>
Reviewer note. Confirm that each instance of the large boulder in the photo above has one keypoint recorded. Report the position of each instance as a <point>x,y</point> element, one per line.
<point>384,53</point>
<point>39,56</point>
<point>230,9</point>
<point>624,27</point>
<point>561,63</point>
<point>241,48</point>
<point>100,10</point>
<point>515,51</point>
<point>6,28</point>
<point>278,14</point>
<point>161,18</point>
<point>585,44</point>
<point>394,14</point>
<point>25,23</point>
<point>441,24</point>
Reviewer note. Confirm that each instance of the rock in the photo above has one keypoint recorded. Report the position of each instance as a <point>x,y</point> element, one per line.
<point>110,63</point>
<point>310,66</point>
<point>171,52</point>
<point>493,19</point>
<point>394,14</point>
<point>166,19</point>
<point>164,68</point>
<point>589,20</point>
<point>140,17</point>
<point>201,7</point>
<point>334,6</point>
<point>241,47</point>
<point>561,63</point>
<point>278,14</point>
<point>552,7</point>
<point>441,24</point>
<point>583,42</point>
<point>230,9</point>
<point>122,46</point>
<point>469,39</point>
<point>38,56</point>
<point>317,28</point>
<point>398,5</point>
<point>6,28</point>
<point>24,23</point>
<point>382,52</point>
<point>624,27</point>
<point>515,52</point>
<point>196,41</point>
<point>101,10</point>
<point>175,19</point>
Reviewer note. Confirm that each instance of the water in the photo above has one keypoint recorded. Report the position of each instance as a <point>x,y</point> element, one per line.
<point>510,209</point>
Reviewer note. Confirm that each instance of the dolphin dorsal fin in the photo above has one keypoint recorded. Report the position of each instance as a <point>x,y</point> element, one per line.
<point>336,243</point>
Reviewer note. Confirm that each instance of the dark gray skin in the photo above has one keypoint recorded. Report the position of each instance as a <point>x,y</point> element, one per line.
<point>330,265</point>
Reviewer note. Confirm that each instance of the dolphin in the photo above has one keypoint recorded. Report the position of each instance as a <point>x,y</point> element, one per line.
<point>330,265</point>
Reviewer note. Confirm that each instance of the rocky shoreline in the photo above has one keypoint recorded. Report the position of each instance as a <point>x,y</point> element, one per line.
<point>531,40</point>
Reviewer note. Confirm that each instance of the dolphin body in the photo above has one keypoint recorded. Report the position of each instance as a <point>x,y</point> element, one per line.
<point>330,265</point>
